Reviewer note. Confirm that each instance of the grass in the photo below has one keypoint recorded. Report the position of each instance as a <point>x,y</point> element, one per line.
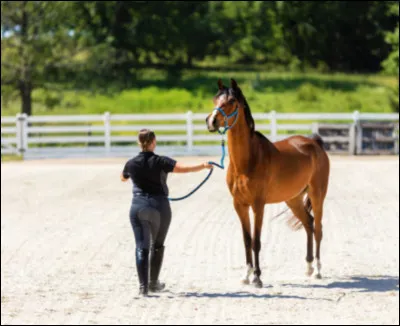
<point>10,158</point>
<point>156,92</point>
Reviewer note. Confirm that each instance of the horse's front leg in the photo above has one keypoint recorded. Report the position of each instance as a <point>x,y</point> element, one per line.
<point>243,212</point>
<point>258,209</point>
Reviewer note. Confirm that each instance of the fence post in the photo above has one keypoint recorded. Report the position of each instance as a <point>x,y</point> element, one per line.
<point>356,134</point>
<point>315,128</point>
<point>396,139</point>
<point>189,131</point>
<point>352,139</point>
<point>274,129</point>
<point>18,124</point>
<point>107,132</point>
<point>22,133</point>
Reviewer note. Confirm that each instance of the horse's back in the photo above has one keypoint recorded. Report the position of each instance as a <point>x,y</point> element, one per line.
<point>299,143</point>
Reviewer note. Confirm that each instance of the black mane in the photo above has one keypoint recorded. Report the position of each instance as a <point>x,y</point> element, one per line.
<point>259,134</point>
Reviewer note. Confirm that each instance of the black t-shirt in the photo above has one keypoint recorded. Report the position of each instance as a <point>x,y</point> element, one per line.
<point>148,172</point>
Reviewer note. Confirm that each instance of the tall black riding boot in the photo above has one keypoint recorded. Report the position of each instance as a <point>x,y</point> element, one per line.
<point>142,267</point>
<point>157,255</point>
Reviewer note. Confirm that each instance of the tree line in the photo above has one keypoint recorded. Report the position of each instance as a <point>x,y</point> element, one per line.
<point>79,42</point>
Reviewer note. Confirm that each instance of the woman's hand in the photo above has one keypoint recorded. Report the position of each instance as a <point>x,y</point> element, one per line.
<point>207,165</point>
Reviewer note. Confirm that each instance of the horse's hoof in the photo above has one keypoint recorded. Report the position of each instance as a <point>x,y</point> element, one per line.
<point>258,284</point>
<point>245,281</point>
<point>318,276</point>
<point>310,271</point>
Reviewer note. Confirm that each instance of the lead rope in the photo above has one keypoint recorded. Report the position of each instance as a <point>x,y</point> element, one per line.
<point>221,166</point>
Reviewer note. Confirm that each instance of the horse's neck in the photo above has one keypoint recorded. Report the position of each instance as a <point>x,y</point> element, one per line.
<point>239,145</point>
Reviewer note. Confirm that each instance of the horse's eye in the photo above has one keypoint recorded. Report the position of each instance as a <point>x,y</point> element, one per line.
<point>232,101</point>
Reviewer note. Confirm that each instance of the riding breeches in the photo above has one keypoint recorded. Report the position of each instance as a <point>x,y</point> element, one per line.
<point>150,218</point>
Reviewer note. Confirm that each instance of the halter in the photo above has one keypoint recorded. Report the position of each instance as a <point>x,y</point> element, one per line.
<point>226,117</point>
<point>221,166</point>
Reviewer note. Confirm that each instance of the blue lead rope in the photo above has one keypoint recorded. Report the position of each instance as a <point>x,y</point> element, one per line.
<point>221,166</point>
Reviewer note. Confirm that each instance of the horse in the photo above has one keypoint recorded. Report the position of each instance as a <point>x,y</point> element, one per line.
<point>294,170</point>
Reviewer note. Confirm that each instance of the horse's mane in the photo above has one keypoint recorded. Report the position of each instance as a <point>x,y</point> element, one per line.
<point>249,117</point>
<point>259,134</point>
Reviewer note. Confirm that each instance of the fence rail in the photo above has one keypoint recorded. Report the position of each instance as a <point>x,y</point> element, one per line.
<point>177,134</point>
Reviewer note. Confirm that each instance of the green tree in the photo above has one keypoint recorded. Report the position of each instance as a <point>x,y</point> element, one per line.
<point>36,39</point>
<point>391,63</point>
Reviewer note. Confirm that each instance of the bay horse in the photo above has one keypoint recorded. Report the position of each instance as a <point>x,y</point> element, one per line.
<point>262,172</point>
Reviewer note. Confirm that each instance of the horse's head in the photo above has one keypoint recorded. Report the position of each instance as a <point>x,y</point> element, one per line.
<point>226,106</point>
<point>227,103</point>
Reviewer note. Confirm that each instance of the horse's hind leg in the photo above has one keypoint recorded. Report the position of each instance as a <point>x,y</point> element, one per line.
<point>318,189</point>
<point>298,209</point>
<point>243,212</point>
<point>318,238</point>
<point>317,193</point>
<point>317,207</point>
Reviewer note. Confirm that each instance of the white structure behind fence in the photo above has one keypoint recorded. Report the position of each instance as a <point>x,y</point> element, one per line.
<point>177,134</point>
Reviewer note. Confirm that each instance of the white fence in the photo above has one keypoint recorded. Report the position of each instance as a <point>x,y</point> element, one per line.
<point>177,134</point>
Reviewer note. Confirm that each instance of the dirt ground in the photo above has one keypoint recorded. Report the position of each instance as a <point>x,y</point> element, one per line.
<point>67,250</point>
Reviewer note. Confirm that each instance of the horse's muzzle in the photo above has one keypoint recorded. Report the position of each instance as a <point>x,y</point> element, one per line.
<point>211,125</point>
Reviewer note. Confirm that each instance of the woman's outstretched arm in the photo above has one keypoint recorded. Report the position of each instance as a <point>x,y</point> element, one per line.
<point>182,168</point>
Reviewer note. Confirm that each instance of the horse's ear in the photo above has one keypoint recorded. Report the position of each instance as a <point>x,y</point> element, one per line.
<point>234,84</point>
<point>220,84</point>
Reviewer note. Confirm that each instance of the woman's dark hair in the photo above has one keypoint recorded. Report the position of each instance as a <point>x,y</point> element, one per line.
<point>145,138</point>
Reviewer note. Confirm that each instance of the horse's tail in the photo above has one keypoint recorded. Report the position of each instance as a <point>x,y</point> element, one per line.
<point>318,139</point>
<point>293,222</point>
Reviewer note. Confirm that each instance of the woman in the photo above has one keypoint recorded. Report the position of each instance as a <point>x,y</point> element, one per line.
<point>150,212</point>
